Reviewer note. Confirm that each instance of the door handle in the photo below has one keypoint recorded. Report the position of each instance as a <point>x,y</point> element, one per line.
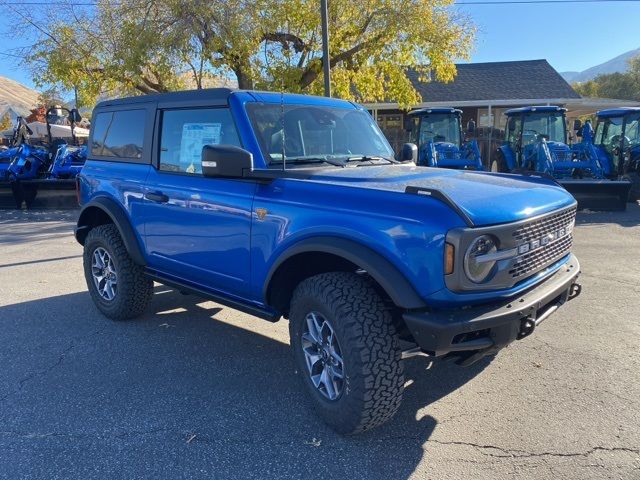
<point>158,197</point>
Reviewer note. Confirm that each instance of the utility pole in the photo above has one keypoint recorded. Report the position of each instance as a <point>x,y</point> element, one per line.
<point>325,47</point>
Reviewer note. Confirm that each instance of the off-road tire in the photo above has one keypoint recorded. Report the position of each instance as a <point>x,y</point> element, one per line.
<point>374,374</point>
<point>134,288</point>
<point>634,193</point>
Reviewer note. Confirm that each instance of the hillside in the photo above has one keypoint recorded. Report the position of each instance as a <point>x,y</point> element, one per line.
<point>17,97</point>
<point>617,64</point>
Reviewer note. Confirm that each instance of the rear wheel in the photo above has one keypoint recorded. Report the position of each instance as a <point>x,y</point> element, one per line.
<point>346,350</point>
<point>634,193</point>
<point>118,286</point>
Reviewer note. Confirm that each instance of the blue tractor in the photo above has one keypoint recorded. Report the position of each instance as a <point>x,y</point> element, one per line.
<point>536,141</point>
<point>438,134</point>
<point>45,171</point>
<point>615,145</point>
<point>21,134</point>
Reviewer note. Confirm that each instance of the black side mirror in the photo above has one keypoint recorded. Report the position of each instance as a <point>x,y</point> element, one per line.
<point>74,116</point>
<point>409,153</point>
<point>577,124</point>
<point>226,161</point>
<point>471,127</point>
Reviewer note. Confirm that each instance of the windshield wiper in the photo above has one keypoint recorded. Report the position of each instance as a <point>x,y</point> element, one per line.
<point>303,160</point>
<point>371,158</point>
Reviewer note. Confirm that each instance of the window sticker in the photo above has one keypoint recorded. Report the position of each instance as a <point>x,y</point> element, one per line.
<point>194,137</point>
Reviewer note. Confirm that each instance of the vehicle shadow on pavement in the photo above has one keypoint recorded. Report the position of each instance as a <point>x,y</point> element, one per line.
<point>189,383</point>
<point>629,218</point>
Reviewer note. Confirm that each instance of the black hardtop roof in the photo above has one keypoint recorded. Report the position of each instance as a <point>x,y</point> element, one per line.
<point>184,95</point>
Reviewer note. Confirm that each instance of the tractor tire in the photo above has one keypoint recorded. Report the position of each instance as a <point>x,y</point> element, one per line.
<point>634,193</point>
<point>18,194</point>
<point>497,164</point>
<point>118,287</point>
<point>30,195</point>
<point>341,329</point>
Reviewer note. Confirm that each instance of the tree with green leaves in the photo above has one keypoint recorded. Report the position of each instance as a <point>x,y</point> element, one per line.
<point>5,122</point>
<point>132,46</point>
<point>620,85</point>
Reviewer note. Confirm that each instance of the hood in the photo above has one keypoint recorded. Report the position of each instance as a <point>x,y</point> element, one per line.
<point>486,198</point>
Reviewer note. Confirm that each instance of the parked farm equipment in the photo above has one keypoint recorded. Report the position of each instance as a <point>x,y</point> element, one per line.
<point>45,172</point>
<point>536,141</point>
<point>438,134</point>
<point>615,145</point>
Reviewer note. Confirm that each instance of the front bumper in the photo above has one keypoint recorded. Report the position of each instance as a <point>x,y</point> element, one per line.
<point>488,328</point>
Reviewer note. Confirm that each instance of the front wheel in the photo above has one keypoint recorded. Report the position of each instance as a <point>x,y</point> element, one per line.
<point>497,164</point>
<point>347,351</point>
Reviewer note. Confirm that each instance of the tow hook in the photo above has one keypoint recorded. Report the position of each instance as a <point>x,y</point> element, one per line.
<point>574,291</point>
<point>527,326</point>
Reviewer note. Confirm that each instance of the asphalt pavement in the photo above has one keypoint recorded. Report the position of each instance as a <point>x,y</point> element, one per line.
<point>196,390</point>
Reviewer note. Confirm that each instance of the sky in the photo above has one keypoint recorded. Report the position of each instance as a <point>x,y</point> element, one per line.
<point>572,37</point>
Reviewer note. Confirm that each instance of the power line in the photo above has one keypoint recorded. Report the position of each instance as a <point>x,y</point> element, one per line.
<point>11,55</point>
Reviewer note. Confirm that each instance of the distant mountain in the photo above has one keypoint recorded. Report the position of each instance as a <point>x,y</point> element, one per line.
<point>569,76</point>
<point>16,98</point>
<point>617,64</point>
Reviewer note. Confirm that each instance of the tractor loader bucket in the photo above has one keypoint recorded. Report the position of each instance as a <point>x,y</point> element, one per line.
<point>598,194</point>
<point>49,193</point>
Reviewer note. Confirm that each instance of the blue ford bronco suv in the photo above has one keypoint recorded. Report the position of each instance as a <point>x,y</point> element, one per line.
<point>293,206</point>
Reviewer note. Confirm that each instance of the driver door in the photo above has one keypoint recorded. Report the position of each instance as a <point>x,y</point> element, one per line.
<point>197,229</point>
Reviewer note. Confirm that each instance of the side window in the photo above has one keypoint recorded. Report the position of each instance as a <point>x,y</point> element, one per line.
<point>119,134</point>
<point>185,132</point>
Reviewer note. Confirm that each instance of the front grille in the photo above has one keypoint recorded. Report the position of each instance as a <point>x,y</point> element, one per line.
<point>562,155</point>
<point>448,155</point>
<point>555,225</point>
<point>539,259</point>
<point>538,228</point>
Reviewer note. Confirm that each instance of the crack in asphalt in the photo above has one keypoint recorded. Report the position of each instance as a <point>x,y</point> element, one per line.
<point>484,449</point>
<point>515,453</point>
<point>57,363</point>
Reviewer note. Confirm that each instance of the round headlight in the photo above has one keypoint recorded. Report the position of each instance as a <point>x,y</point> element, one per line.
<point>477,268</point>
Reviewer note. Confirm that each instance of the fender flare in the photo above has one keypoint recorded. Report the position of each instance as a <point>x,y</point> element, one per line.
<point>379,268</point>
<point>119,218</point>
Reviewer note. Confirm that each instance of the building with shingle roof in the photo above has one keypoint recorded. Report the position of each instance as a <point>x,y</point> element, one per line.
<point>484,91</point>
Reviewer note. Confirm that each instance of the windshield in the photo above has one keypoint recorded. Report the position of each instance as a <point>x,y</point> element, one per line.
<point>314,133</point>
<point>552,125</point>
<point>440,128</point>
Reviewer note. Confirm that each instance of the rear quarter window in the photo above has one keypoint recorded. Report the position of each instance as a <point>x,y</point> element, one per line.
<point>119,135</point>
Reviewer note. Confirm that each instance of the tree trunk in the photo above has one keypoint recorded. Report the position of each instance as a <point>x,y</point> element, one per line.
<point>245,82</point>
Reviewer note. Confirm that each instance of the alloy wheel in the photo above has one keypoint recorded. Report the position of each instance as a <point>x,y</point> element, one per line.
<point>323,356</point>
<point>104,273</point>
